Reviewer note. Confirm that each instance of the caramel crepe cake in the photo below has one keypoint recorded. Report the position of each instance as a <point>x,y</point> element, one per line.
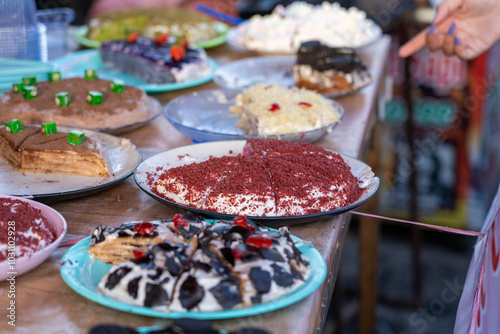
<point>33,151</point>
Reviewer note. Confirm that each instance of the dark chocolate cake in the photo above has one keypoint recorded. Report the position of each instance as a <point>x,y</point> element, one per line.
<point>329,70</point>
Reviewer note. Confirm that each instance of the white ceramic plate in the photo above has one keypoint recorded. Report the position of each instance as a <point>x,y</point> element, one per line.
<point>200,152</point>
<point>26,263</point>
<point>232,38</point>
<point>124,159</point>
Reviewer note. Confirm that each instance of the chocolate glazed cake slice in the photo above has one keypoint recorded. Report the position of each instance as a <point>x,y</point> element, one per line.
<point>329,70</point>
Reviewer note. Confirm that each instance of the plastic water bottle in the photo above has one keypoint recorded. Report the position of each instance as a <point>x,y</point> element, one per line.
<point>21,35</point>
<point>56,21</point>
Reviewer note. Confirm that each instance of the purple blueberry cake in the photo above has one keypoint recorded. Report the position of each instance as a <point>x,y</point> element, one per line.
<point>159,61</point>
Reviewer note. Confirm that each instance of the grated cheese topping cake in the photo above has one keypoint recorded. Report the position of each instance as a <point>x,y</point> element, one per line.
<point>274,110</point>
<point>206,268</point>
<point>270,178</point>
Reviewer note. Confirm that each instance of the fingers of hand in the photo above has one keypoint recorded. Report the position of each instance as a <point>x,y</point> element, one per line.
<point>434,38</point>
<point>446,8</point>
<point>446,40</point>
<point>450,40</point>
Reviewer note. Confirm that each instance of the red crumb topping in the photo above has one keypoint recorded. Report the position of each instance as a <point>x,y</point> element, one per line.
<point>28,224</point>
<point>305,104</point>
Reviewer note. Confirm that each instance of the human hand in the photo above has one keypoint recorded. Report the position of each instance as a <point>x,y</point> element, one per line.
<point>465,28</point>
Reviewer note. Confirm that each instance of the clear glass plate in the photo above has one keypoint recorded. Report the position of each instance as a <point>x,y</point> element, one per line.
<point>205,116</point>
<point>247,72</point>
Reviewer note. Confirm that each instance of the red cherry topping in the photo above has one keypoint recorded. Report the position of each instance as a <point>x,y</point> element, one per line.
<point>138,254</point>
<point>237,252</point>
<point>161,38</point>
<point>179,220</point>
<point>144,228</point>
<point>260,241</point>
<point>274,107</point>
<point>305,104</point>
<point>240,220</point>
<point>250,227</point>
<point>184,43</point>
<point>177,52</point>
<point>132,37</point>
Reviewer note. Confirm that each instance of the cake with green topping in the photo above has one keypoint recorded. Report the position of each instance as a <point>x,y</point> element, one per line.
<point>117,25</point>
<point>34,151</point>
<point>79,102</point>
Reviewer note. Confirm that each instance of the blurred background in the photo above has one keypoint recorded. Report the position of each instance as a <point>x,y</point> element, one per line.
<point>451,141</point>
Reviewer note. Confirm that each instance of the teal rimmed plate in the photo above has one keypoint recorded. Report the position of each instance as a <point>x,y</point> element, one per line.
<point>222,29</point>
<point>82,274</point>
<point>74,65</point>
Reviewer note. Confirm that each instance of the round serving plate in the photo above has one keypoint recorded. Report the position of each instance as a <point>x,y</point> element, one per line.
<point>26,263</point>
<point>150,168</point>
<point>204,116</point>
<point>83,273</point>
<point>123,156</point>
<point>75,64</point>
<point>222,28</point>
<point>269,70</point>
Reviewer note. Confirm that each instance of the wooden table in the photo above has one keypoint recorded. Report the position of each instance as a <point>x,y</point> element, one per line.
<point>45,304</point>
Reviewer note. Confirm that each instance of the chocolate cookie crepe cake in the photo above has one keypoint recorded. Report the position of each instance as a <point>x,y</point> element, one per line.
<point>329,70</point>
<point>219,266</point>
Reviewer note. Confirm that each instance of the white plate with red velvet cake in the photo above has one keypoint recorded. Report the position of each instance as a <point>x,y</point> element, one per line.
<point>47,167</point>
<point>265,179</point>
